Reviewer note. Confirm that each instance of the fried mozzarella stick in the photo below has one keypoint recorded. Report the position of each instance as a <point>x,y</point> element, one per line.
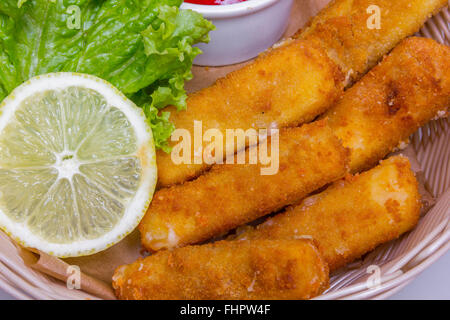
<point>352,216</point>
<point>244,270</point>
<point>357,33</point>
<point>409,88</point>
<point>285,87</point>
<point>231,195</point>
<point>295,82</point>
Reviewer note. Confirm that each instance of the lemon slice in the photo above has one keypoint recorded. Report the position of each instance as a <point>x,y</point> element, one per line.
<point>77,164</point>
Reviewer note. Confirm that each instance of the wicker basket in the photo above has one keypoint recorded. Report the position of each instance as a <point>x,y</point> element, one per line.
<point>399,261</point>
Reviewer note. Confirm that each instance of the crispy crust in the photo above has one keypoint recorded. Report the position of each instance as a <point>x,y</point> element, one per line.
<point>285,87</point>
<point>409,88</point>
<point>245,270</point>
<point>231,195</point>
<point>342,30</point>
<point>352,216</point>
<point>291,84</point>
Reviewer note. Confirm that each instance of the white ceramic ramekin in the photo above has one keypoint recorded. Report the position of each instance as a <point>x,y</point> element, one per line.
<point>243,30</point>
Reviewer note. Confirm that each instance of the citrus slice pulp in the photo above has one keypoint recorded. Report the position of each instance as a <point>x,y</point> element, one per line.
<point>77,164</point>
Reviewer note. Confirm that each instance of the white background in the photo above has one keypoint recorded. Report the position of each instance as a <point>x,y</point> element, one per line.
<point>433,283</point>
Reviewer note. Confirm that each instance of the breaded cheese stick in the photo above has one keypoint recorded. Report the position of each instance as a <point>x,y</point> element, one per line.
<point>244,270</point>
<point>231,195</point>
<point>295,82</point>
<point>354,37</point>
<point>285,87</point>
<point>352,216</point>
<point>410,87</point>
<point>407,89</point>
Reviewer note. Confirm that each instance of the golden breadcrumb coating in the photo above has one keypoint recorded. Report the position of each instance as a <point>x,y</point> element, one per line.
<point>410,87</point>
<point>244,270</point>
<point>342,29</point>
<point>296,81</point>
<point>352,216</point>
<point>231,195</point>
<point>284,87</point>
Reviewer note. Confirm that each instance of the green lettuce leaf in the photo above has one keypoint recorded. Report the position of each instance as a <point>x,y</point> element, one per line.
<point>143,47</point>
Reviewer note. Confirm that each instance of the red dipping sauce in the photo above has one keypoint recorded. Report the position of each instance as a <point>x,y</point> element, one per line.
<point>214,2</point>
